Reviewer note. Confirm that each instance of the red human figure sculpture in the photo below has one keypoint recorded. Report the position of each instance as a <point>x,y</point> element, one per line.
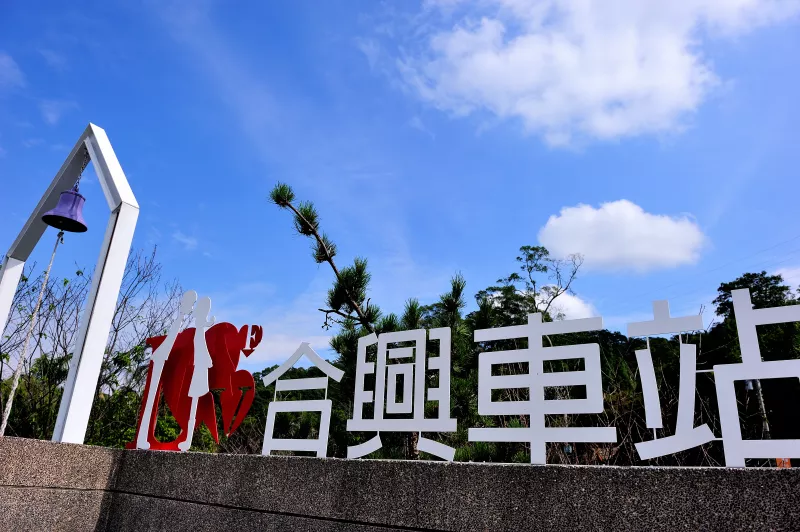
<point>226,344</point>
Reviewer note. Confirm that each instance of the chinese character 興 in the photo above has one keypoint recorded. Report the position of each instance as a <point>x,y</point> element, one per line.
<point>403,368</point>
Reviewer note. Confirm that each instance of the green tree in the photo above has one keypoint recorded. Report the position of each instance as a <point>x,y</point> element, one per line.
<point>765,291</point>
<point>145,305</point>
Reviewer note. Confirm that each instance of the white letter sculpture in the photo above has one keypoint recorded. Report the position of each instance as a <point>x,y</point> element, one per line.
<point>323,406</point>
<point>159,358</point>
<point>752,367</point>
<point>413,390</point>
<point>202,363</point>
<point>686,434</point>
<point>536,380</point>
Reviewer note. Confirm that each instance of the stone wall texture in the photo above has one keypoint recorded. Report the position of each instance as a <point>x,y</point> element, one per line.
<point>50,486</point>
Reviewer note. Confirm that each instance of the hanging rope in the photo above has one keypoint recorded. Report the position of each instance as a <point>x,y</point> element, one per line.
<point>18,370</point>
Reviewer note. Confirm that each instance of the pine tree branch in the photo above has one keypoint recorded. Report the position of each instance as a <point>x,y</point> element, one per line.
<point>328,312</point>
<point>362,318</point>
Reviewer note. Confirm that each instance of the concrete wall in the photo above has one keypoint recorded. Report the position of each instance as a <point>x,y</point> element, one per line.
<point>49,486</point>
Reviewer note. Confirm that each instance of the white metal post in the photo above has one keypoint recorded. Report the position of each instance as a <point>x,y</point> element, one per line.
<point>87,358</point>
<point>9,279</point>
<point>88,351</point>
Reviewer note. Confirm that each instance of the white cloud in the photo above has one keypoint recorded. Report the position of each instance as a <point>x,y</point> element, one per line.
<point>621,236</point>
<point>53,109</point>
<point>572,307</point>
<point>10,74</point>
<point>602,69</point>
<point>791,276</point>
<point>189,243</point>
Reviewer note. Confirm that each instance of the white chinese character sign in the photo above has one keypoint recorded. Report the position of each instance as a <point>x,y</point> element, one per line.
<point>323,406</point>
<point>402,379</point>
<point>406,364</point>
<point>536,380</point>
<point>752,367</point>
<point>402,376</point>
<point>686,434</point>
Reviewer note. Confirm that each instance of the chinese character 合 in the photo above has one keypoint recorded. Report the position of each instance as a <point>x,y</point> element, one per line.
<point>536,380</point>
<point>323,406</point>
<point>414,393</point>
<point>686,434</point>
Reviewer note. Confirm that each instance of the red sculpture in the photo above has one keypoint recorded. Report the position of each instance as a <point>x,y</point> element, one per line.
<point>225,345</point>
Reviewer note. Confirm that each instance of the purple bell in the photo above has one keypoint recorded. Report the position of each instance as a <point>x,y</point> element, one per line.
<point>68,214</point>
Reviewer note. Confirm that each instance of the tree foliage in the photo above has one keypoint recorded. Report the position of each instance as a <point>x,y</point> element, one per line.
<point>145,307</point>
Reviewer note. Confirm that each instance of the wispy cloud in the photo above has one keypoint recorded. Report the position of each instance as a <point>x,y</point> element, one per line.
<point>791,276</point>
<point>279,124</point>
<point>398,273</point>
<point>10,74</point>
<point>274,119</point>
<point>285,324</point>
<point>55,60</point>
<point>241,87</point>
<point>189,243</point>
<point>371,50</point>
<point>153,235</point>
<point>52,110</point>
<point>416,123</point>
<point>32,143</point>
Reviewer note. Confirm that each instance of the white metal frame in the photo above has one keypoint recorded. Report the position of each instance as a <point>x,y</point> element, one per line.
<point>95,324</point>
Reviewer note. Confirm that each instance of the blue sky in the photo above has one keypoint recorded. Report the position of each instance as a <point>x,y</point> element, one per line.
<point>434,137</point>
